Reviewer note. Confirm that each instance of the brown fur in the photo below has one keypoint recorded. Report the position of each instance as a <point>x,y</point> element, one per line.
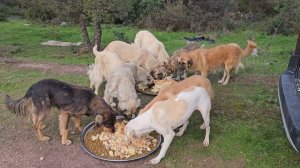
<point>227,56</point>
<point>173,90</point>
<point>72,101</point>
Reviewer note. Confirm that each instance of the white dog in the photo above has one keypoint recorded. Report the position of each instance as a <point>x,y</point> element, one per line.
<point>121,85</point>
<point>165,116</point>
<point>147,40</point>
<point>139,56</point>
<point>106,62</point>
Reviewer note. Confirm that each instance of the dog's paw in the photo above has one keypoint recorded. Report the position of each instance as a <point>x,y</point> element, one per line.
<point>44,138</point>
<point>225,83</point>
<point>180,133</point>
<point>79,129</point>
<point>113,105</point>
<point>202,126</point>
<point>206,142</point>
<point>67,142</point>
<point>220,81</point>
<point>155,161</point>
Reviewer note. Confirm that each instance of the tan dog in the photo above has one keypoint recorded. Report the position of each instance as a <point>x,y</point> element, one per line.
<point>173,90</point>
<point>228,56</point>
<point>139,56</point>
<point>167,115</point>
<point>147,40</point>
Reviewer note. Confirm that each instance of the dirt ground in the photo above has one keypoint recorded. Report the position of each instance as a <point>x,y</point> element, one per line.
<point>20,148</point>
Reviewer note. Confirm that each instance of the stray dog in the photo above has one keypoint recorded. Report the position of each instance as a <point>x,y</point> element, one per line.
<point>228,56</point>
<point>72,101</point>
<point>173,90</point>
<point>140,56</point>
<point>177,70</point>
<point>147,40</point>
<point>106,62</point>
<point>121,85</point>
<point>167,115</point>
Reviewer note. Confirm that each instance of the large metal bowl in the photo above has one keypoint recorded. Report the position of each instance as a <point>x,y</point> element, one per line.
<point>83,146</point>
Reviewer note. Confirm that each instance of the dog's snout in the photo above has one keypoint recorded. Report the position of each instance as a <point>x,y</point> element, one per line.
<point>151,84</point>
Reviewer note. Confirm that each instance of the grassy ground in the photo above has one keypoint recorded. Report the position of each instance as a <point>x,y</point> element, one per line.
<point>246,127</point>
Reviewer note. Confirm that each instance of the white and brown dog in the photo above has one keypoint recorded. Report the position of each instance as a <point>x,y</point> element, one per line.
<point>165,116</point>
<point>147,40</point>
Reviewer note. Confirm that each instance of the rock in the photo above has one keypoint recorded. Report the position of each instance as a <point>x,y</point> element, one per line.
<point>63,23</point>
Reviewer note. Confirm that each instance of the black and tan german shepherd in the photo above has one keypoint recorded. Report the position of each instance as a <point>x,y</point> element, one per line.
<point>72,101</point>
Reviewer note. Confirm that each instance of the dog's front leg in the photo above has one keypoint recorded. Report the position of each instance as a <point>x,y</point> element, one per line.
<point>63,126</point>
<point>165,145</point>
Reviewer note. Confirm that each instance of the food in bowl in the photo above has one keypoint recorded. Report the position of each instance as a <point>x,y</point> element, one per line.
<point>116,146</point>
<point>158,85</point>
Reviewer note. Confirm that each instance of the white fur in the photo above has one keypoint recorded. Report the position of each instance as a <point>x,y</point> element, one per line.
<point>163,121</point>
<point>106,62</point>
<point>120,85</point>
<point>147,40</point>
<point>134,54</point>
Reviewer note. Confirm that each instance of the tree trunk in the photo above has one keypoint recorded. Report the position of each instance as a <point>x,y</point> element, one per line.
<point>97,34</point>
<point>85,34</point>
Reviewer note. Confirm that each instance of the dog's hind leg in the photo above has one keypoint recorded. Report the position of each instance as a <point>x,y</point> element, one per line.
<point>76,120</point>
<point>182,129</point>
<point>168,138</point>
<point>204,108</point>
<point>63,126</point>
<point>38,126</point>
<point>228,69</point>
<point>223,78</point>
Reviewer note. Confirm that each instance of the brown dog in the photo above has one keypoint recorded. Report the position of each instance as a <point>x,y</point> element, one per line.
<point>173,90</point>
<point>228,56</point>
<point>72,101</point>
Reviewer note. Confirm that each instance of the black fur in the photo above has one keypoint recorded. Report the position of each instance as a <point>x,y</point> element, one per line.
<point>75,100</point>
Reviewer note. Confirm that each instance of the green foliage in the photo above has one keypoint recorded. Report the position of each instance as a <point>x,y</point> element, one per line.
<point>120,36</point>
<point>3,13</point>
<point>287,21</point>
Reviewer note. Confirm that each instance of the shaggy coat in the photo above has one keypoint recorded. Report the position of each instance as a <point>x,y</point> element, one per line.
<point>228,56</point>
<point>147,40</point>
<point>106,62</point>
<point>72,101</point>
<point>121,85</point>
<point>139,56</point>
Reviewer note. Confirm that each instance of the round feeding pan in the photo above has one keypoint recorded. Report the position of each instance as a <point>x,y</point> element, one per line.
<point>146,91</point>
<point>90,126</point>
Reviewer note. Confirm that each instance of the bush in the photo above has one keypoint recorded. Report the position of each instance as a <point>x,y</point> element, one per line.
<point>3,13</point>
<point>287,20</point>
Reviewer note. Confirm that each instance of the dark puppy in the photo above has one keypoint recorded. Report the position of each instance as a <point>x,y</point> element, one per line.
<point>72,101</point>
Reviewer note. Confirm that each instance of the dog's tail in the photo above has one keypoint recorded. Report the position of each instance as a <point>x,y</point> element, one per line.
<point>95,51</point>
<point>249,49</point>
<point>239,65</point>
<point>20,107</point>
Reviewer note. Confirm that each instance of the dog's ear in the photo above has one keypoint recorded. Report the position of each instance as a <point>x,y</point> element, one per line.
<point>179,59</point>
<point>190,63</point>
